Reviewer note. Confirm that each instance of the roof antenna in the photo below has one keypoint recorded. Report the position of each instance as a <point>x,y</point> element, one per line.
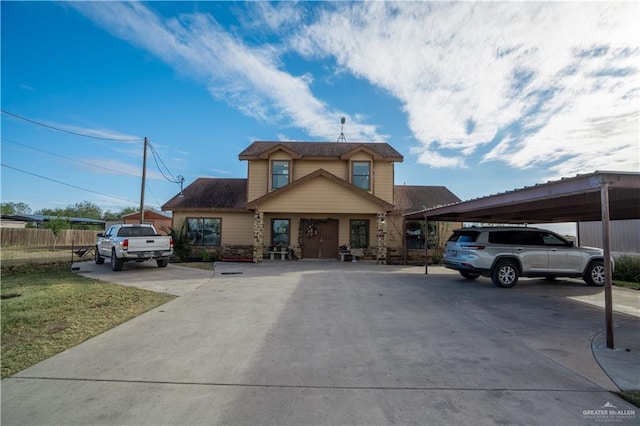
<point>181,183</point>
<point>341,138</point>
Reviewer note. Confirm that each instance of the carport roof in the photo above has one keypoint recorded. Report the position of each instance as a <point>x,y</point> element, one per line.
<point>566,200</point>
<point>45,218</point>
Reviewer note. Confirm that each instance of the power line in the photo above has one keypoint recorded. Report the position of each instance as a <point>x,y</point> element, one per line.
<point>82,162</point>
<point>179,180</point>
<point>69,158</point>
<point>67,184</point>
<point>68,131</point>
<point>156,157</point>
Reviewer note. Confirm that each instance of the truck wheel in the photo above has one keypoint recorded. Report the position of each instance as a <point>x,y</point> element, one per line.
<point>162,263</point>
<point>469,275</point>
<point>98,259</point>
<point>116,264</point>
<point>505,274</point>
<point>595,275</point>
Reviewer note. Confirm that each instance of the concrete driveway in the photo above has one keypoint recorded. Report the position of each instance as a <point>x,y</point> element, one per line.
<point>315,343</point>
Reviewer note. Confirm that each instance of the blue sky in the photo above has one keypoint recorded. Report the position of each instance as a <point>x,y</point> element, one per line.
<point>479,97</point>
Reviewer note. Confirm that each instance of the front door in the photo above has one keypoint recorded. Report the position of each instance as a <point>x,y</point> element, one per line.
<point>319,239</point>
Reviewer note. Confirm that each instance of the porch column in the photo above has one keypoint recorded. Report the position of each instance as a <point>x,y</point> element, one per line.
<point>381,256</point>
<point>258,236</point>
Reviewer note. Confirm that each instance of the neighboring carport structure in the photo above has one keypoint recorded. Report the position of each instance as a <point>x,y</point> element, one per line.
<point>41,219</point>
<point>596,196</point>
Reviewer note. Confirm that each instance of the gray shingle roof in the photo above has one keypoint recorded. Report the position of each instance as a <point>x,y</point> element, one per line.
<point>411,198</point>
<point>321,149</point>
<point>211,193</point>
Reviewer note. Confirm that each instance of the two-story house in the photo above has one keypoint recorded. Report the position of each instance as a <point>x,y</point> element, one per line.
<point>310,197</point>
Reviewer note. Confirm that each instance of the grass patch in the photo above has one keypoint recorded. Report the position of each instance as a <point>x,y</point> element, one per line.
<point>626,284</point>
<point>47,309</point>
<point>630,396</point>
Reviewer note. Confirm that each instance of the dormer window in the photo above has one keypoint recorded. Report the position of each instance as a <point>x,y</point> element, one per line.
<point>361,174</point>
<point>279,173</point>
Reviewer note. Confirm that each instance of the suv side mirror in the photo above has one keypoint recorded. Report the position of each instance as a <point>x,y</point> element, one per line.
<point>100,235</point>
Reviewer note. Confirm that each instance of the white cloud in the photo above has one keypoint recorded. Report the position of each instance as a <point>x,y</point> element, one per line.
<point>566,73</point>
<point>533,84</point>
<point>249,79</point>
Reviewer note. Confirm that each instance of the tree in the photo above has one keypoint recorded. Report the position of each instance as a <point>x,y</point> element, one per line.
<point>84,209</point>
<point>109,215</point>
<point>56,225</point>
<point>15,208</point>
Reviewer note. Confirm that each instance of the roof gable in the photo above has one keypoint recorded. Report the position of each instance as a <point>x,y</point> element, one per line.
<point>321,150</point>
<point>279,147</point>
<point>315,175</point>
<point>376,155</point>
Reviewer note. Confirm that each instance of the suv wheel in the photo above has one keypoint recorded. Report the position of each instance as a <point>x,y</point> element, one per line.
<point>505,274</point>
<point>469,275</point>
<point>595,275</point>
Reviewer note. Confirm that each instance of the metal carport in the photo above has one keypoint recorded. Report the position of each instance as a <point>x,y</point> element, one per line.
<point>595,196</point>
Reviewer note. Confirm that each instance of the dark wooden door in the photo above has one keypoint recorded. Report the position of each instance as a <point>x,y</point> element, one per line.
<point>320,239</point>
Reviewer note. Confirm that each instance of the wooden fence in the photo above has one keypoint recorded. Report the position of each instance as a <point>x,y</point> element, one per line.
<point>29,237</point>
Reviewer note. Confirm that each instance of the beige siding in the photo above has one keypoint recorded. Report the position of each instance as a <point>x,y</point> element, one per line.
<point>345,229</point>
<point>237,228</point>
<point>383,180</point>
<point>361,156</point>
<point>320,195</point>
<point>340,168</point>
<point>280,155</point>
<point>258,179</point>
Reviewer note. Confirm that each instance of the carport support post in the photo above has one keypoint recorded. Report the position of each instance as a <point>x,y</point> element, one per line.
<point>426,245</point>
<point>608,297</point>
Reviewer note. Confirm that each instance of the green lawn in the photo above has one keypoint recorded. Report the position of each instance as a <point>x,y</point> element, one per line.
<point>627,284</point>
<point>47,309</point>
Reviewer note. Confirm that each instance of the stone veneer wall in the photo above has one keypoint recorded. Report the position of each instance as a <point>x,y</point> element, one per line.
<point>258,236</point>
<point>381,255</point>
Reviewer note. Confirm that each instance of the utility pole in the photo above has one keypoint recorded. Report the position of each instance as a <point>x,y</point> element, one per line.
<point>144,176</point>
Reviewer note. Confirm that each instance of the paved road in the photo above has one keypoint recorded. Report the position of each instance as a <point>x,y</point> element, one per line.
<point>313,343</point>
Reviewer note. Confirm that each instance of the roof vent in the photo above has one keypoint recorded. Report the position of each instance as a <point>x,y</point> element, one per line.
<point>342,138</point>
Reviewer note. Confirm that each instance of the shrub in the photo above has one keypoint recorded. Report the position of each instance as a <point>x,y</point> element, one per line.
<point>181,247</point>
<point>627,268</point>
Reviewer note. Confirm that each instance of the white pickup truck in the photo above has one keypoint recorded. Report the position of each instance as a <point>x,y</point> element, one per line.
<point>124,243</point>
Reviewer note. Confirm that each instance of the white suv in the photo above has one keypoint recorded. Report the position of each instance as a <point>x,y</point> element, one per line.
<point>506,253</point>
